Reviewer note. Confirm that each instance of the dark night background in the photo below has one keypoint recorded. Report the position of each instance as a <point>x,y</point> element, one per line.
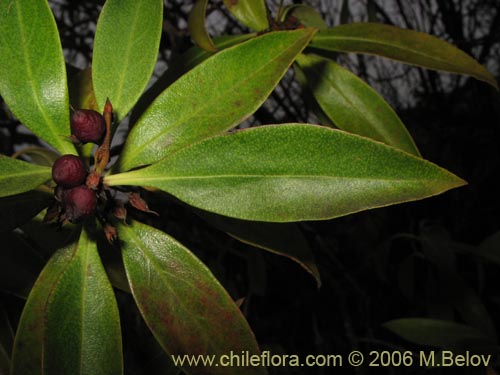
<point>411,260</point>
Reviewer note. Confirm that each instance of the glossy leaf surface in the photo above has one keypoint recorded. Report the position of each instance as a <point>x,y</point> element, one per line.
<point>70,323</point>
<point>197,28</point>
<point>33,73</point>
<point>251,13</point>
<point>291,172</point>
<point>213,97</point>
<point>125,51</point>
<point>434,332</point>
<point>186,308</point>
<point>17,176</point>
<point>407,46</point>
<point>353,105</point>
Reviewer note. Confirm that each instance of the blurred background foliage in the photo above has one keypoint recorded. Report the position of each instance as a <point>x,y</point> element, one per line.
<point>438,258</point>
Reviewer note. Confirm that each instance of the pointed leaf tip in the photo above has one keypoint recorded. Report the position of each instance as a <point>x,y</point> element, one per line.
<point>291,172</point>
<point>353,105</point>
<point>33,79</point>
<point>213,97</point>
<point>403,45</point>
<point>125,51</point>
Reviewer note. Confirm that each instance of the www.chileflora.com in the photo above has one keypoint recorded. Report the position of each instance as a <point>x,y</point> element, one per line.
<point>355,358</point>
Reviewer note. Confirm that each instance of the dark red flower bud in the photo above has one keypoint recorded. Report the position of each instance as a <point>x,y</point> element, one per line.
<point>79,203</point>
<point>69,171</point>
<point>87,126</point>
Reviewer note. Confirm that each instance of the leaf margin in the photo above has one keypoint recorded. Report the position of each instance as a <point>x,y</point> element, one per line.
<point>344,43</point>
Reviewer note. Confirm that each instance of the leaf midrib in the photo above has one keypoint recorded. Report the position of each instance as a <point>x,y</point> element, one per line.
<point>26,173</point>
<point>126,56</point>
<point>262,176</point>
<point>29,72</point>
<point>398,47</point>
<point>352,106</point>
<point>374,121</point>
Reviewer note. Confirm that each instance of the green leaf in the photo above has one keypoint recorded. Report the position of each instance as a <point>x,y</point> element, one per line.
<point>353,105</point>
<point>251,13</point>
<point>125,51</point>
<point>33,74</point>
<point>434,332</point>
<point>291,172</point>
<point>179,66</point>
<point>18,209</point>
<point>213,97</point>
<point>186,308</point>
<point>309,100</point>
<point>407,46</point>
<point>196,55</point>
<point>38,155</point>
<point>81,90</point>
<point>70,323</point>
<point>197,28</point>
<point>28,345</point>
<point>18,176</point>
<point>284,239</point>
<point>308,16</point>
